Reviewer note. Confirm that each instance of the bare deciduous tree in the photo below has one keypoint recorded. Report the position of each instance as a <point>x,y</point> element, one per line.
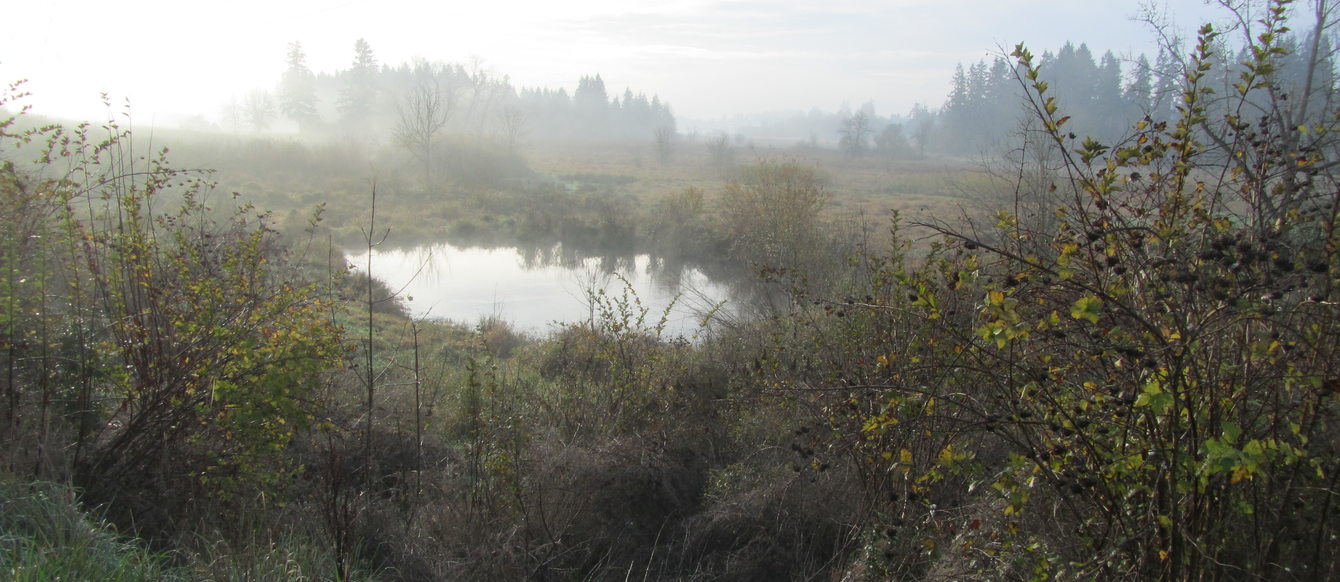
<point>512,120</point>
<point>665,143</point>
<point>422,116</point>
<point>259,110</point>
<point>856,130</point>
<point>485,90</point>
<point>720,152</point>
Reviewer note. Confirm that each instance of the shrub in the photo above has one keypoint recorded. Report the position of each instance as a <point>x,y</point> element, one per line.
<point>1146,392</point>
<point>192,346</point>
<point>772,214</point>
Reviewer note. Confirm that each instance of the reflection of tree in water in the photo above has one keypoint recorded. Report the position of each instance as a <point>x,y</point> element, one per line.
<point>666,273</point>
<point>752,294</point>
<point>612,263</point>
<point>674,274</point>
<point>569,256</point>
<point>700,285</point>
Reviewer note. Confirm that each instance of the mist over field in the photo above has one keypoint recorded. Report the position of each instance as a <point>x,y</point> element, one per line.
<point>713,60</point>
<point>684,290</point>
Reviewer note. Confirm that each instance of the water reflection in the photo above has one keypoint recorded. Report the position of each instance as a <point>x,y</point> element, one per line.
<point>537,287</point>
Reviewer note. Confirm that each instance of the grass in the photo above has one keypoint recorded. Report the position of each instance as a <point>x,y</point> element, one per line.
<point>289,558</point>
<point>921,190</point>
<point>292,178</point>
<point>45,535</point>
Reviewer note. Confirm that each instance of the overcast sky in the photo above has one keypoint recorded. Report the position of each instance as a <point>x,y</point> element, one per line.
<point>708,58</point>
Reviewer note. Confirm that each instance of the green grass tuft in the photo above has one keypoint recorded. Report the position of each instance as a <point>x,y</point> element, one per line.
<point>45,536</point>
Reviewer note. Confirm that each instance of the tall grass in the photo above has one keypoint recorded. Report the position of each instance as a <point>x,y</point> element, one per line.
<point>286,557</point>
<point>45,536</point>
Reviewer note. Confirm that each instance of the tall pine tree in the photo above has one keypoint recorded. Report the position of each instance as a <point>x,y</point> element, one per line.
<point>297,89</point>
<point>359,99</point>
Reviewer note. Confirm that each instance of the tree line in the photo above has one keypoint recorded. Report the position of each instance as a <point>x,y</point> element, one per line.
<point>1103,96</point>
<point>370,96</point>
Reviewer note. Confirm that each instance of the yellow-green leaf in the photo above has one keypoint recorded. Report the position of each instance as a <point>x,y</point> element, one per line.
<point>1087,307</point>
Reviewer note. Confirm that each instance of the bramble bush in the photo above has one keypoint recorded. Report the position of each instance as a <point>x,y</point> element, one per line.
<point>1148,390</point>
<point>161,352</point>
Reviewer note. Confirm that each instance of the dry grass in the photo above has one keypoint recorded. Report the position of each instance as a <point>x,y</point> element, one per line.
<point>918,189</point>
<point>292,178</point>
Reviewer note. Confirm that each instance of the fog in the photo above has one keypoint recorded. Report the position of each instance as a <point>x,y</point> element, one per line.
<point>710,60</point>
<point>858,290</point>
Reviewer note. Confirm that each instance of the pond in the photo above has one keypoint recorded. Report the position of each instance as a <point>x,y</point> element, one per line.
<point>537,289</point>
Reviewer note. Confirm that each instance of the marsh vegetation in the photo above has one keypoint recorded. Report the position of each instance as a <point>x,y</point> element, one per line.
<point>1084,358</point>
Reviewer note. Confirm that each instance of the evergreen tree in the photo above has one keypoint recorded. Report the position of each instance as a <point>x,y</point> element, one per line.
<point>590,95</point>
<point>359,99</point>
<point>957,112</point>
<point>1167,72</point>
<point>592,105</point>
<point>960,95</point>
<point>1308,69</point>
<point>297,89</point>
<point>1140,91</point>
<point>660,113</point>
<point>1073,74</point>
<point>1001,86</point>
<point>1002,98</point>
<point>1110,111</point>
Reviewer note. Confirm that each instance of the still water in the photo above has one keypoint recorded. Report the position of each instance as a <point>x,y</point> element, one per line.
<point>537,289</point>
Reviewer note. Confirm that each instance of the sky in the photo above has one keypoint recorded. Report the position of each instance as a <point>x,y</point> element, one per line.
<point>710,59</point>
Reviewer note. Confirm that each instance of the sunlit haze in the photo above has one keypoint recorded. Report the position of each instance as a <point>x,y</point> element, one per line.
<point>709,59</point>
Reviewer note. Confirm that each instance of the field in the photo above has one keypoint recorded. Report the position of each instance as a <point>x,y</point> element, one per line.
<point>287,175</point>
